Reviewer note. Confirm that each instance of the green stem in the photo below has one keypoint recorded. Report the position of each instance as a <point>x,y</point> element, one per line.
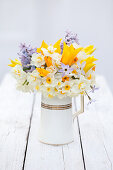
<point>88,96</point>
<point>24,82</point>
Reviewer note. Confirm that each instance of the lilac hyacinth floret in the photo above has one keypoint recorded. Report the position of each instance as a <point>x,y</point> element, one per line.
<point>69,38</point>
<point>91,101</point>
<point>65,69</point>
<point>94,88</point>
<point>25,56</point>
<point>25,60</point>
<point>26,53</point>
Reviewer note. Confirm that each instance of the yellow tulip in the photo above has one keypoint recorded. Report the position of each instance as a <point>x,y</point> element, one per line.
<point>89,50</point>
<point>69,53</point>
<point>42,72</point>
<point>89,63</point>
<point>14,63</point>
<point>43,45</point>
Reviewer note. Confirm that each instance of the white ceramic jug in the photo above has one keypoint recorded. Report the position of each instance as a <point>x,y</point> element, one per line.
<point>56,122</point>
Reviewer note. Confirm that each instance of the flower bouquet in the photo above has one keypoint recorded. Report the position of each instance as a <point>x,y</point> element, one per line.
<point>59,72</point>
<point>63,69</point>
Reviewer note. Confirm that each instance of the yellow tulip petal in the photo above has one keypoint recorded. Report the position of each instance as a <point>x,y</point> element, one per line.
<point>89,59</point>
<point>48,61</point>
<point>91,51</point>
<point>43,45</point>
<point>57,46</point>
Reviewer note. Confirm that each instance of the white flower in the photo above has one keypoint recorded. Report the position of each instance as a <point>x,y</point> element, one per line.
<point>56,57</point>
<point>81,56</point>
<point>83,84</point>
<point>75,90</point>
<point>51,49</point>
<point>52,69</point>
<point>34,79</point>
<point>18,73</point>
<point>24,86</point>
<point>45,52</point>
<point>48,91</point>
<point>75,45</point>
<point>49,81</point>
<point>37,59</point>
<point>67,85</point>
<point>80,68</point>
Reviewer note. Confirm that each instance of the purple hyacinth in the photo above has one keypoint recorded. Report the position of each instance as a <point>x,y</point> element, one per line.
<point>26,50</point>
<point>25,54</point>
<point>25,60</point>
<point>65,69</point>
<point>69,38</point>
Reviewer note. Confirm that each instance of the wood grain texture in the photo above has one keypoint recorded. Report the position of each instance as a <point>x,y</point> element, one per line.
<point>47,157</point>
<point>96,126</point>
<point>15,112</point>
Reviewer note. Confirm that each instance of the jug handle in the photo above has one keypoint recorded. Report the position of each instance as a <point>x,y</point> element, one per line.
<point>82,108</point>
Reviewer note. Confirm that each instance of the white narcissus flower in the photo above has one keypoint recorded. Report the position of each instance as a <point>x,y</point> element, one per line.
<point>34,79</point>
<point>37,59</point>
<point>24,86</point>
<point>18,73</point>
<point>48,91</point>
<point>75,91</point>
<point>56,57</point>
<point>83,84</point>
<point>45,52</point>
<point>21,77</point>
<point>81,55</point>
<point>67,85</point>
<point>52,69</point>
<point>49,80</point>
<point>51,49</point>
<point>91,76</point>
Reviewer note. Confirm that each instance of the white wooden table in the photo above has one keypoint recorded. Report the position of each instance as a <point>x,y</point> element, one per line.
<point>19,145</point>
